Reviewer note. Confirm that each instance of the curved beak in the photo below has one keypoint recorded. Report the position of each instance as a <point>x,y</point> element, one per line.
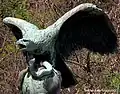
<point>22,43</point>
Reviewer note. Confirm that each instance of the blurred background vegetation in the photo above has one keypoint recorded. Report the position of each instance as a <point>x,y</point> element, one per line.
<point>92,70</point>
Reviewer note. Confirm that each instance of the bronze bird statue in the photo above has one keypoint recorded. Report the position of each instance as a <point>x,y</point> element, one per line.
<point>85,26</point>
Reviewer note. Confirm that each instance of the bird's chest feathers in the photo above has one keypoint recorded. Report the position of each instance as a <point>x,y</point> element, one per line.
<point>46,40</point>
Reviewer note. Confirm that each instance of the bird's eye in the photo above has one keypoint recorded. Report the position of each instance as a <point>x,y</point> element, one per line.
<point>25,40</point>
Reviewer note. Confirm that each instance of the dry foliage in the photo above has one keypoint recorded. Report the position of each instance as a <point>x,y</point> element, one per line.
<point>92,70</point>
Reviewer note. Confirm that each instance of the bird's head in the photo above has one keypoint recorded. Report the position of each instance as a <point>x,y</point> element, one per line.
<point>27,45</point>
<point>27,34</point>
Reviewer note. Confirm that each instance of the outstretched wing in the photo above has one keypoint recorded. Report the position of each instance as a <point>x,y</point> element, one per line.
<point>19,28</point>
<point>88,27</point>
